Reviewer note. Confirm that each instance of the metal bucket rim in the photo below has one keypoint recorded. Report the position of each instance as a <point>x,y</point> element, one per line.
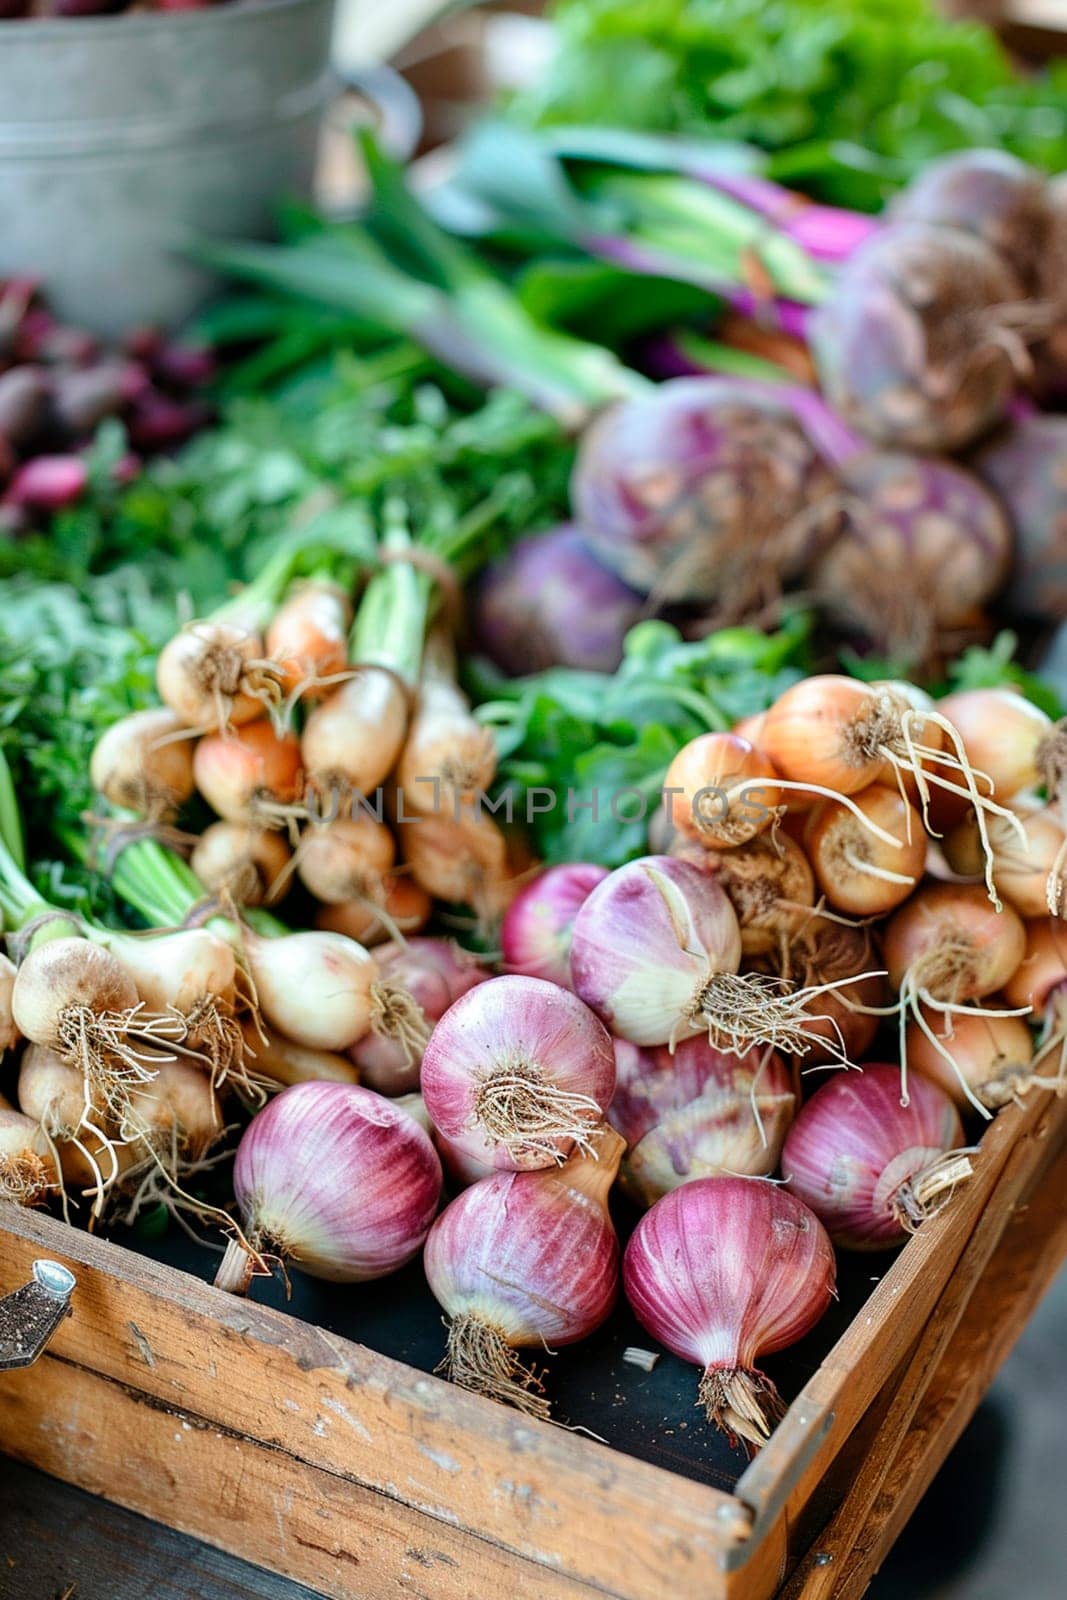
<point>236,13</point>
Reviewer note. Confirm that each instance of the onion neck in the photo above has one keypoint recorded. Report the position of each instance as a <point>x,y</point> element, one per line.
<point>592,1173</point>
<point>236,1269</point>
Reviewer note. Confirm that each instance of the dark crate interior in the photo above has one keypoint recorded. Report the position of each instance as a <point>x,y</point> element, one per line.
<point>650,1415</point>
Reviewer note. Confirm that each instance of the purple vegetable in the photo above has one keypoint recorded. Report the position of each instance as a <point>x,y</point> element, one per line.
<point>84,8</point>
<point>48,483</point>
<point>550,603</point>
<point>25,405</point>
<point>923,340</point>
<point>160,423</point>
<point>991,194</point>
<point>708,490</point>
<point>1027,466</point>
<point>183,366</point>
<point>826,233</point>
<point>927,522</point>
<point>84,397</point>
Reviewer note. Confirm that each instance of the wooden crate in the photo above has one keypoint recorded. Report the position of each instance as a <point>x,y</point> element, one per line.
<point>364,1478</point>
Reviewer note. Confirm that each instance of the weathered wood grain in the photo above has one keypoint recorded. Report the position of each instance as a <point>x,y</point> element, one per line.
<point>1026,1170</point>
<point>259,1503</point>
<point>887,1329</point>
<point>53,1537</point>
<point>547,1494</point>
<point>1032,1250</point>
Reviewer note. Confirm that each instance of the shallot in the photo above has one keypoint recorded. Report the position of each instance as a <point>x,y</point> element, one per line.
<point>525,1260</point>
<point>724,1271</point>
<point>869,1167</point>
<point>336,1179</point>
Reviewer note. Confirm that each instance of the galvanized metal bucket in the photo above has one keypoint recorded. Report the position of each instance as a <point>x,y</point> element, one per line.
<point>124,138</point>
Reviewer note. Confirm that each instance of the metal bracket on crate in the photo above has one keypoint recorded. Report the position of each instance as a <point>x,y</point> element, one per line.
<point>814,1425</point>
<point>30,1316</point>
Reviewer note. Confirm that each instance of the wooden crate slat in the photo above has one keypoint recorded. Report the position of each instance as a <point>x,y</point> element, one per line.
<point>884,1332</point>
<point>818,1576</point>
<point>1032,1250</point>
<point>550,1495</point>
<point>255,1502</point>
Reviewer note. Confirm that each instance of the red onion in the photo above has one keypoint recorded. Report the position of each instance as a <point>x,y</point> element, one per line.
<point>550,603</point>
<point>696,1113</point>
<point>870,1168</point>
<point>518,1072</point>
<point>535,936</point>
<point>418,982</point>
<point>703,491</point>
<point>655,953</point>
<point>724,1271</point>
<point>337,1180</point>
<point>527,1259</point>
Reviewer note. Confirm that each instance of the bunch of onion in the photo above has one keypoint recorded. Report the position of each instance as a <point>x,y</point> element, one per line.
<point>525,1260</point>
<point>721,791</point>
<point>697,1112</point>
<point>1030,874</point>
<point>1039,986</point>
<point>768,881</point>
<point>946,950</point>
<point>656,954</point>
<point>337,1180</point>
<point>925,338</point>
<point>419,980</point>
<point>706,490</point>
<point>314,987</point>
<point>992,1053</point>
<point>518,1072</point>
<point>724,1271</point>
<point>871,1168</point>
<point>217,672</point>
<point>842,736</point>
<point>535,935</point>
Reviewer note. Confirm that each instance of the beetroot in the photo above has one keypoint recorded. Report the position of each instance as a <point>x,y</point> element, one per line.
<point>549,603</point>
<point>1027,465</point>
<point>988,193</point>
<point>922,343</point>
<point>707,490</point>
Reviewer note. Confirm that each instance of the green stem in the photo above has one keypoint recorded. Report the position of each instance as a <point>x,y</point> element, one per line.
<point>390,626</point>
<point>10,817</point>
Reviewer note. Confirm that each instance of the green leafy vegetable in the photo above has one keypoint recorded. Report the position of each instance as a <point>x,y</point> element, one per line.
<point>584,755</point>
<point>853,97</point>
